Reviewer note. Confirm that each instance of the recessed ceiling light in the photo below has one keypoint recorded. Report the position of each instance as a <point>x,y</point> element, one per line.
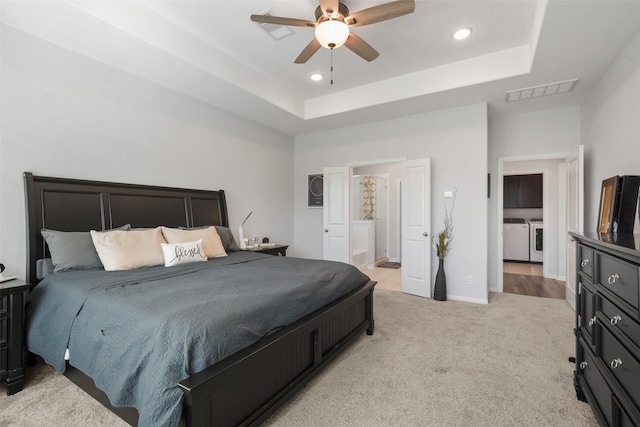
<point>462,33</point>
<point>316,77</point>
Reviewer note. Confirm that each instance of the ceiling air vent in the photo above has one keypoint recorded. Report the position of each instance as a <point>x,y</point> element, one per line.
<point>542,90</point>
<point>277,32</point>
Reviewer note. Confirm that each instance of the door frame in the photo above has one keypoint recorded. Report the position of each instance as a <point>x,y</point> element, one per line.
<point>500,208</point>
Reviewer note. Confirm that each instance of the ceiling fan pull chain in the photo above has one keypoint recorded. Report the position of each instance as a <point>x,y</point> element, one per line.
<point>332,61</point>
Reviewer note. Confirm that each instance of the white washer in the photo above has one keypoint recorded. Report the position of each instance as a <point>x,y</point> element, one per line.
<point>536,239</point>
<point>515,239</point>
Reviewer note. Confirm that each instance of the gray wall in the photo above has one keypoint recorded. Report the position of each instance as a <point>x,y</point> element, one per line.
<point>456,142</point>
<point>611,128</point>
<point>69,116</point>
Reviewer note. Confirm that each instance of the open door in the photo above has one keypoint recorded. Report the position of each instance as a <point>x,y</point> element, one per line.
<point>336,218</point>
<point>416,227</point>
<point>575,217</point>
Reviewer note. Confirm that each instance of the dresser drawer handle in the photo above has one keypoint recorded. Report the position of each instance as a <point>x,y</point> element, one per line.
<point>615,319</point>
<point>592,321</point>
<point>615,363</point>
<point>583,365</point>
<point>585,262</point>
<point>613,278</point>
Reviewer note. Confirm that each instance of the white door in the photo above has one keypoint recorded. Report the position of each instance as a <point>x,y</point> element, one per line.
<point>381,217</point>
<point>575,217</point>
<point>416,227</point>
<point>336,218</point>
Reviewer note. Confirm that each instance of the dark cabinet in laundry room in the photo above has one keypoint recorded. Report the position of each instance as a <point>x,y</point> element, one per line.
<point>522,191</point>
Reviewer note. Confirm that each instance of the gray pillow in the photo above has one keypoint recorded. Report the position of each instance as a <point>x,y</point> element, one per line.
<point>73,250</point>
<point>44,267</point>
<point>228,241</point>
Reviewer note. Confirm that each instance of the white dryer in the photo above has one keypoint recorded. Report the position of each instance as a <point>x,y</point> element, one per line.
<point>536,239</point>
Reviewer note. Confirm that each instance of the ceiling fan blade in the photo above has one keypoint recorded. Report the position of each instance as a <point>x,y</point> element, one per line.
<point>268,19</point>
<point>308,51</point>
<point>361,47</point>
<point>381,13</point>
<point>329,7</point>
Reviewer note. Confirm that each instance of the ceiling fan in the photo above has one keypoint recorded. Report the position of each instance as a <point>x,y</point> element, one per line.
<point>332,26</point>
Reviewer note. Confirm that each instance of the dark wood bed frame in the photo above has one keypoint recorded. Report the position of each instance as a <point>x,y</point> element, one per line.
<point>244,389</point>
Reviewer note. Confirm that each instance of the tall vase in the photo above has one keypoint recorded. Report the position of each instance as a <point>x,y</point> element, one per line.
<point>440,288</point>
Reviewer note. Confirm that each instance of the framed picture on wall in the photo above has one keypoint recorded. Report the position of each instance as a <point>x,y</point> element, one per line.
<point>315,190</point>
<point>607,202</point>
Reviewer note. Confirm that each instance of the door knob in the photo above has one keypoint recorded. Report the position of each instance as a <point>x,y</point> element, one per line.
<point>425,234</point>
<point>326,230</point>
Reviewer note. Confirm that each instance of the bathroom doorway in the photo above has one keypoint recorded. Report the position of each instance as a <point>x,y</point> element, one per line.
<point>375,197</point>
<point>375,202</point>
<point>369,219</point>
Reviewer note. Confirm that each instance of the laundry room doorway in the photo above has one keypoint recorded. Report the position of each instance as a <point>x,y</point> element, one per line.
<point>545,269</point>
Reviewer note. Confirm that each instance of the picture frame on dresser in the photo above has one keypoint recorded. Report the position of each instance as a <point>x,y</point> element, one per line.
<point>607,201</point>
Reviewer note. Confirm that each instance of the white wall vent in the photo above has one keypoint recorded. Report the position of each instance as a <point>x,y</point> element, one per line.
<point>542,90</point>
<point>277,32</point>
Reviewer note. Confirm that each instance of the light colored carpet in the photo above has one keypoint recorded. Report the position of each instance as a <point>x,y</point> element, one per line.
<point>429,363</point>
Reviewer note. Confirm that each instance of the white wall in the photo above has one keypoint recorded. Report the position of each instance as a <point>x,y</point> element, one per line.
<point>456,142</point>
<point>69,116</point>
<point>611,128</point>
<point>525,136</point>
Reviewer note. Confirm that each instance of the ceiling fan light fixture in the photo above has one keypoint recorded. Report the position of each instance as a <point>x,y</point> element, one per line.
<point>332,33</point>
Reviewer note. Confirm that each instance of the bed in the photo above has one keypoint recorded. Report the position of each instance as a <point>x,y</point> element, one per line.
<point>241,388</point>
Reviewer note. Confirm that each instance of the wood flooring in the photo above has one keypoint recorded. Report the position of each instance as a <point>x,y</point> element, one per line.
<point>526,279</point>
<point>519,278</point>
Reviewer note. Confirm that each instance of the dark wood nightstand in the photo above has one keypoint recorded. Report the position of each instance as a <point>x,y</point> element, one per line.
<point>13,296</point>
<point>277,250</point>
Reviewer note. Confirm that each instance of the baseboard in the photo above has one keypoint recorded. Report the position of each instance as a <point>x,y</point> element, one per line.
<point>466,299</point>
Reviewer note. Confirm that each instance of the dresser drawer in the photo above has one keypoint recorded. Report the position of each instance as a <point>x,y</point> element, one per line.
<point>596,387</point>
<point>621,364</point>
<point>585,259</point>
<point>618,320</point>
<point>587,307</point>
<point>4,354</point>
<point>4,330</point>
<point>622,418</point>
<point>619,277</point>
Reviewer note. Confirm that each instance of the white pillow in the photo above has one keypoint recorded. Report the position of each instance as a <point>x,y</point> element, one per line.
<point>126,250</point>
<point>211,242</point>
<point>182,253</point>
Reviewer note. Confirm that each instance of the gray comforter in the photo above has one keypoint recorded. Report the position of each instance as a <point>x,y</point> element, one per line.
<point>138,333</point>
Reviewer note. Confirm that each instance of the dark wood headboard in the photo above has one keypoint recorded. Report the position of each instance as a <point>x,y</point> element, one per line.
<point>78,205</point>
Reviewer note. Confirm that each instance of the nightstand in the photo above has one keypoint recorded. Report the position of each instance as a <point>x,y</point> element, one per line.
<point>13,296</point>
<point>277,250</point>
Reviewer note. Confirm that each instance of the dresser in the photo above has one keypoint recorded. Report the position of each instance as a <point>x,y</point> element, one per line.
<point>277,250</point>
<point>607,373</point>
<point>12,357</point>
